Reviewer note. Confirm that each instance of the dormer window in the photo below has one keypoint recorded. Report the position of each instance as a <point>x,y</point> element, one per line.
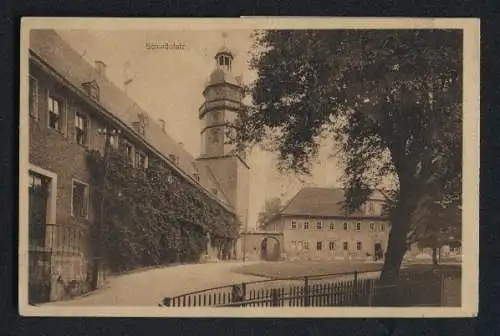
<point>174,158</point>
<point>196,174</point>
<point>141,124</point>
<point>139,128</point>
<point>92,89</point>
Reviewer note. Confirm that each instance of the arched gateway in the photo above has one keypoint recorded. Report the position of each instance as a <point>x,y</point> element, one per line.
<point>260,245</point>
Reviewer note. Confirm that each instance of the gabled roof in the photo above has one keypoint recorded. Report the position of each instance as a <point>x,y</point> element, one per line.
<point>66,61</point>
<point>319,202</point>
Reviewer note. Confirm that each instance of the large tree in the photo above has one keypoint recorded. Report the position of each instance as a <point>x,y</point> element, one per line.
<point>391,99</point>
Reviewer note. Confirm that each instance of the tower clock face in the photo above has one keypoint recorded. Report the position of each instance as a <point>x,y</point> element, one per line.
<point>218,92</point>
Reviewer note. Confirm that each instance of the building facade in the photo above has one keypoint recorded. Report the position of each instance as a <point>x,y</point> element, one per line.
<point>73,108</point>
<point>315,227</point>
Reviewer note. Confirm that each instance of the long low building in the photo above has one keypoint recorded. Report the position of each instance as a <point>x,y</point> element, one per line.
<point>315,226</point>
<point>72,107</point>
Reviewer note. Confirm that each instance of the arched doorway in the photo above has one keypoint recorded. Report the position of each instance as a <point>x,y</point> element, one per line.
<point>270,249</point>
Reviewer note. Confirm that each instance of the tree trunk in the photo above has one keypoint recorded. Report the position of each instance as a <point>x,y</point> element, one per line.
<point>434,255</point>
<point>397,245</point>
<point>396,249</point>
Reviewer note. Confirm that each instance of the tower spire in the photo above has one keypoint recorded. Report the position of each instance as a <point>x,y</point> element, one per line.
<point>224,56</point>
<point>224,38</point>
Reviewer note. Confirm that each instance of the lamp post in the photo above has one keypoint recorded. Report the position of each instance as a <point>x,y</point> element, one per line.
<point>100,223</point>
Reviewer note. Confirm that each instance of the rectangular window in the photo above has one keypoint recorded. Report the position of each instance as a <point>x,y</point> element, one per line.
<point>345,226</point>
<point>54,119</point>
<point>319,245</point>
<point>371,208</point>
<point>299,246</point>
<point>382,227</point>
<point>306,225</point>
<point>170,178</point>
<point>359,246</point>
<point>79,205</point>
<point>319,225</point>
<point>331,245</point>
<point>33,97</point>
<point>358,226</point>
<point>129,150</point>
<point>293,225</point>
<point>332,226</point>
<point>114,138</point>
<point>306,245</point>
<point>346,246</point>
<point>81,129</point>
<point>215,135</point>
<point>141,160</point>
<point>372,226</point>
<point>39,186</point>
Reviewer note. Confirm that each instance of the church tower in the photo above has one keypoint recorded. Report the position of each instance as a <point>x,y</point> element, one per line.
<point>223,95</point>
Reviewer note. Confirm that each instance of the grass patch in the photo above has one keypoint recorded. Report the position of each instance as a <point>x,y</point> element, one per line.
<point>287,269</point>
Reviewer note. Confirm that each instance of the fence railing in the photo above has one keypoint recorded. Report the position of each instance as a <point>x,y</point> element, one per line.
<point>326,290</point>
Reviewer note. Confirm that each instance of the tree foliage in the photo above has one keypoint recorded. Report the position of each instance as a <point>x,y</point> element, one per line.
<point>153,216</point>
<point>391,99</point>
<point>440,225</point>
<point>272,207</point>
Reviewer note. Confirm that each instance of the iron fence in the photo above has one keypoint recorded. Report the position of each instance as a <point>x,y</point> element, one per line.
<point>326,290</point>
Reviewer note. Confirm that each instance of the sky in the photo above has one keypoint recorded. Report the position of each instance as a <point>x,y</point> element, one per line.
<point>168,84</point>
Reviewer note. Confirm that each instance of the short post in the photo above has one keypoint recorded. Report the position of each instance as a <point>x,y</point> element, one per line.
<point>355,288</point>
<point>306,291</point>
<point>238,293</point>
<point>167,301</point>
<point>275,302</point>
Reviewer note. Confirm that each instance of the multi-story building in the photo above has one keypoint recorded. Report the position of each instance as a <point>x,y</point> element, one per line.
<point>315,225</point>
<point>71,105</point>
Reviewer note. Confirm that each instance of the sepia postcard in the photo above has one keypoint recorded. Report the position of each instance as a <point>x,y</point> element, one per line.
<point>249,167</point>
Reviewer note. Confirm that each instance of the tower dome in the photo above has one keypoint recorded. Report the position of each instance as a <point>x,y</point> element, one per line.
<point>224,50</point>
<point>219,76</point>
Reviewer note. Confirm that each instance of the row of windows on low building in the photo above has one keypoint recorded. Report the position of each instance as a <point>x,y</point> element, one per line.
<point>332,226</point>
<point>55,117</point>
<point>304,245</point>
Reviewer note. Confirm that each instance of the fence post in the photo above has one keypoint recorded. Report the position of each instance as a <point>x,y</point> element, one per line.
<point>167,301</point>
<point>355,288</point>
<point>306,291</point>
<point>274,297</point>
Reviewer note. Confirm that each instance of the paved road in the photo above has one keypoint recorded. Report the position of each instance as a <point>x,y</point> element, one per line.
<point>148,288</point>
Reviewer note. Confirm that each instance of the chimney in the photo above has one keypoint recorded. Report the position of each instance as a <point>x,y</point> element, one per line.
<point>162,125</point>
<point>100,66</point>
